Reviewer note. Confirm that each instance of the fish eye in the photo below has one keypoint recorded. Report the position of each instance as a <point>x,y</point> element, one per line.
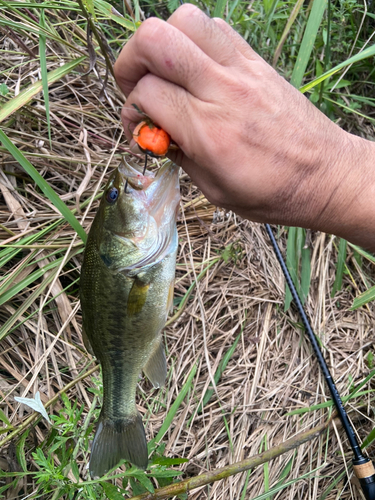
<point>112,195</point>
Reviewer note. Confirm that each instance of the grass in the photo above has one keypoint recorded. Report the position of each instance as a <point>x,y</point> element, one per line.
<point>61,136</point>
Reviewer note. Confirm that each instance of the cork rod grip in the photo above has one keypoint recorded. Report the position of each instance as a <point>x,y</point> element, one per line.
<point>364,470</point>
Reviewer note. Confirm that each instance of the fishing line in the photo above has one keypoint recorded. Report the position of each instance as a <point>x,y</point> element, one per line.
<point>144,168</point>
<point>363,466</point>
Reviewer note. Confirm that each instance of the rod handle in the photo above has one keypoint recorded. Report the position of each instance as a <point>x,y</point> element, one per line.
<point>365,472</point>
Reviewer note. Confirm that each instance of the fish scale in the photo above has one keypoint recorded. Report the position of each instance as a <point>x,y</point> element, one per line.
<point>126,281</point>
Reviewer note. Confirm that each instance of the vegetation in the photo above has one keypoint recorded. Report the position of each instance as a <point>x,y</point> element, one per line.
<point>60,137</point>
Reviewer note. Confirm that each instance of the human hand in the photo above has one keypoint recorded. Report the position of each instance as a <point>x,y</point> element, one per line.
<point>247,138</point>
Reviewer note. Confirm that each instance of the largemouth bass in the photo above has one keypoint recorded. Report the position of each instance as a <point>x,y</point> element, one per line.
<point>126,291</point>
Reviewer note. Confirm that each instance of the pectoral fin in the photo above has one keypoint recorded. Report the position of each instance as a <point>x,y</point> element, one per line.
<point>137,297</point>
<point>156,366</point>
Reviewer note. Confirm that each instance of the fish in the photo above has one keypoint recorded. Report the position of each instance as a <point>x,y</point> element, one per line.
<point>126,292</point>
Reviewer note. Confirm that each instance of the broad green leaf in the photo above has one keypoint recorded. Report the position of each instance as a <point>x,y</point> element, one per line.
<point>3,89</point>
<point>43,185</point>
<point>27,94</point>
<point>111,491</point>
<point>145,481</point>
<point>34,403</point>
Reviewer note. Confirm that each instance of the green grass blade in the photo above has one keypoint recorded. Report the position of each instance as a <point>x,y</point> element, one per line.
<point>8,253</point>
<point>275,489</point>
<point>219,8</point>
<point>220,369</point>
<point>370,438</point>
<point>232,8</point>
<point>18,287</point>
<point>27,94</point>
<point>333,485</point>
<point>4,330</point>
<point>364,298</point>
<point>341,257</point>
<point>109,11</point>
<point>294,246</point>
<point>286,471</point>
<point>305,273</point>
<point>243,495</point>
<point>369,52</point>
<point>291,263</point>
<point>266,470</point>
<point>362,252</point>
<point>355,393</point>
<point>20,451</point>
<point>43,185</point>
<point>22,320</point>
<point>43,70</point>
<point>173,409</point>
<point>311,31</point>
<point>61,5</point>
<point>288,26</point>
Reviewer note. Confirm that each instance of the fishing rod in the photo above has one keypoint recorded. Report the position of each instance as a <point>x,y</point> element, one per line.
<point>363,466</point>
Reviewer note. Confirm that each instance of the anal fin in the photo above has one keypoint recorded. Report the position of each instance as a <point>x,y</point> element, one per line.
<point>156,366</point>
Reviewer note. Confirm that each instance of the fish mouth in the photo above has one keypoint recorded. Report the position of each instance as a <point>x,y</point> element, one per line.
<point>160,196</point>
<point>134,175</point>
<point>162,189</point>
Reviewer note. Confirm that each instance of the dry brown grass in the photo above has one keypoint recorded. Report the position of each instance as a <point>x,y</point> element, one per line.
<point>272,370</point>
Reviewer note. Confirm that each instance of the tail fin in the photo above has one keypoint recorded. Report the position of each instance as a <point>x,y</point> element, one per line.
<point>115,440</point>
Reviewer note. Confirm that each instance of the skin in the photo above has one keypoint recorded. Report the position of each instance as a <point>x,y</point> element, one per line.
<point>249,140</point>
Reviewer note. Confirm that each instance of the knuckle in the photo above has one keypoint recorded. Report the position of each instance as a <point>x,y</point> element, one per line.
<point>150,31</point>
<point>188,9</point>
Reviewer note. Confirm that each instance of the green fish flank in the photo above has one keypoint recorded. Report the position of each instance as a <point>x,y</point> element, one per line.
<point>126,291</point>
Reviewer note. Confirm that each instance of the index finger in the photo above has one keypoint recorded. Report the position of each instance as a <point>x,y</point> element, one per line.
<point>163,50</point>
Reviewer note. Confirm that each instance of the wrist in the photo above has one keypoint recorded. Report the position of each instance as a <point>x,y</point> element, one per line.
<point>343,196</point>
